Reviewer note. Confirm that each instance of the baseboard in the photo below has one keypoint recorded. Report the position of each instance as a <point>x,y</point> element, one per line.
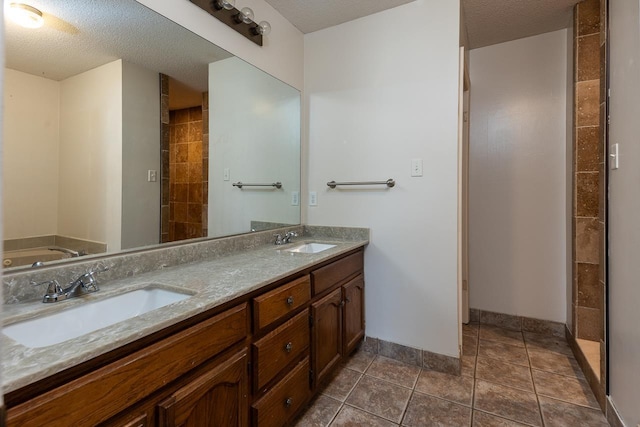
<point>517,323</point>
<point>597,387</point>
<point>413,356</point>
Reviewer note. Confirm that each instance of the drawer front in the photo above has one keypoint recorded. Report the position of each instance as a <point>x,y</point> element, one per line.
<point>279,348</point>
<point>284,400</point>
<point>329,275</point>
<point>281,301</point>
<point>120,384</point>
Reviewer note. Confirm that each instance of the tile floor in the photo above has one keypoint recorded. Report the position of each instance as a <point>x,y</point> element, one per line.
<point>509,378</point>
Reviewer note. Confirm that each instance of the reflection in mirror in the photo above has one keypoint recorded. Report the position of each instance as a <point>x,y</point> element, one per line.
<point>105,148</point>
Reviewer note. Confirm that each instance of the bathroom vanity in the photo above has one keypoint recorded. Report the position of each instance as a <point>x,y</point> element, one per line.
<point>251,346</point>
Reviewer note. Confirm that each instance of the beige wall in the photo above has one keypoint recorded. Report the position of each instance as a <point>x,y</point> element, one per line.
<point>90,197</point>
<point>518,188</point>
<point>624,205</point>
<point>374,100</point>
<point>140,153</point>
<point>31,142</point>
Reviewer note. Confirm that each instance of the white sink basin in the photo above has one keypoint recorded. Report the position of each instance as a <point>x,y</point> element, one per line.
<point>80,320</point>
<point>311,248</point>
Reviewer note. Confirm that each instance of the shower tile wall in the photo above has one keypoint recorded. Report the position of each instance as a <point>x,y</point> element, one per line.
<point>205,164</point>
<point>164,158</point>
<point>588,295</point>
<point>185,174</point>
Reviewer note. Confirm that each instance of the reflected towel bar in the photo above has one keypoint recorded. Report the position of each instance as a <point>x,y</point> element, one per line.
<point>389,183</point>
<point>242,184</point>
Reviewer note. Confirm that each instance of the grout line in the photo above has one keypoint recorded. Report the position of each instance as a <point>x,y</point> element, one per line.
<point>535,389</point>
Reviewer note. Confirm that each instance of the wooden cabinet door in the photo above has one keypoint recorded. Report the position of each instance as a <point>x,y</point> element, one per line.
<point>353,313</point>
<point>327,334</point>
<point>218,397</point>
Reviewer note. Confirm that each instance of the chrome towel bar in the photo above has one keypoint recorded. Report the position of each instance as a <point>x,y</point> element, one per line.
<point>242,184</point>
<point>389,183</point>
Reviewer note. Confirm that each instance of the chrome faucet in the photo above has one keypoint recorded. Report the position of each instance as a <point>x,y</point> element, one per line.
<point>87,282</point>
<point>286,238</point>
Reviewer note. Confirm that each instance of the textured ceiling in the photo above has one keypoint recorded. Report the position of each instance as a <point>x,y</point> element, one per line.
<point>80,35</point>
<point>313,15</point>
<point>496,21</point>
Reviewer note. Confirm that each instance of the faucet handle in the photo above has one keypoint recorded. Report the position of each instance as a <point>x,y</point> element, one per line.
<point>279,239</point>
<point>99,268</point>
<point>53,287</point>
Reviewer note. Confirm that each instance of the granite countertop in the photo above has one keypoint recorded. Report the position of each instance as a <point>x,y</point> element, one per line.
<point>211,284</point>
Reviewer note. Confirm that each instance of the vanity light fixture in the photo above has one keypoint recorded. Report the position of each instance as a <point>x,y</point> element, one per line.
<point>25,15</point>
<point>240,20</point>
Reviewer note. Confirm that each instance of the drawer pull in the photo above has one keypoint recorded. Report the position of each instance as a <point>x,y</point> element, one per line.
<point>288,402</point>
<point>288,347</point>
<point>290,300</point>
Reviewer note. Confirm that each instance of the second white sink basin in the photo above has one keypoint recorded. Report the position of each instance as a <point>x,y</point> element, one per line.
<point>311,248</point>
<point>85,318</point>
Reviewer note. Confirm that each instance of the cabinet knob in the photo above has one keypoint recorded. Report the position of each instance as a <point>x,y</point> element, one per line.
<point>288,347</point>
<point>290,300</point>
<point>348,299</point>
<point>288,402</point>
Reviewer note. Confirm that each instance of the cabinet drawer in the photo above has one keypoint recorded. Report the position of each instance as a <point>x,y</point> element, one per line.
<point>276,304</point>
<point>120,384</point>
<point>284,400</point>
<point>279,348</point>
<point>332,274</point>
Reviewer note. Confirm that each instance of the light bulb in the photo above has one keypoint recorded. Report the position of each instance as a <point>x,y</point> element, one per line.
<point>228,4</point>
<point>246,15</point>
<point>25,15</point>
<point>264,28</point>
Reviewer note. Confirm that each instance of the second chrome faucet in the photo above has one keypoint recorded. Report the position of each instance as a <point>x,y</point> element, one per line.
<point>86,283</point>
<point>283,239</point>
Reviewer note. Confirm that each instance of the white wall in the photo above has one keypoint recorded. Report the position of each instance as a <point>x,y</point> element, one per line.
<point>90,185</point>
<point>380,91</point>
<point>31,141</point>
<point>624,205</point>
<point>255,134</point>
<point>518,191</point>
<point>281,54</point>
<point>140,153</point>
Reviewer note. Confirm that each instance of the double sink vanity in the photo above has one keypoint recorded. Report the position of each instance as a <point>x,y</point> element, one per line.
<point>243,336</point>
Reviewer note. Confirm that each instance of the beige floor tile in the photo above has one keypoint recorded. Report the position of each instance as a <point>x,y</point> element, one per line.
<point>541,342</point>
<point>359,361</point>
<point>572,390</point>
<point>380,398</point>
<point>562,414</point>
<point>469,345</point>
<point>482,419</point>
<point>341,384</point>
<point>504,352</point>
<point>507,402</point>
<point>353,417</point>
<point>424,410</point>
<point>555,362</point>
<point>468,366</point>
<point>451,387</point>
<point>506,336</point>
<point>393,371</point>
<point>470,329</point>
<point>320,412</point>
<point>500,372</point>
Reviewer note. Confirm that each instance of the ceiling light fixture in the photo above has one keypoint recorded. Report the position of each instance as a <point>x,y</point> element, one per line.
<point>240,20</point>
<point>25,15</point>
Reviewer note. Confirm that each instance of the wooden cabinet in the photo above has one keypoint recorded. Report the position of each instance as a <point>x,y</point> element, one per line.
<point>338,326</point>
<point>216,398</point>
<point>327,334</point>
<point>215,370</point>
<point>353,314</point>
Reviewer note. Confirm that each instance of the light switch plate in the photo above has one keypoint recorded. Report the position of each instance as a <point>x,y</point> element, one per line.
<point>152,175</point>
<point>225,174</point>
<point>313,198</point>
<point>295,198</point>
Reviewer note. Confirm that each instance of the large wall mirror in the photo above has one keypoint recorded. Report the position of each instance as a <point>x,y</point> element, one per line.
<point>123,130</point>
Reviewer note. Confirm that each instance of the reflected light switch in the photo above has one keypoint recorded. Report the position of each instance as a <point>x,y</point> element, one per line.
<point>225,175</point>
<point>614,157</point>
